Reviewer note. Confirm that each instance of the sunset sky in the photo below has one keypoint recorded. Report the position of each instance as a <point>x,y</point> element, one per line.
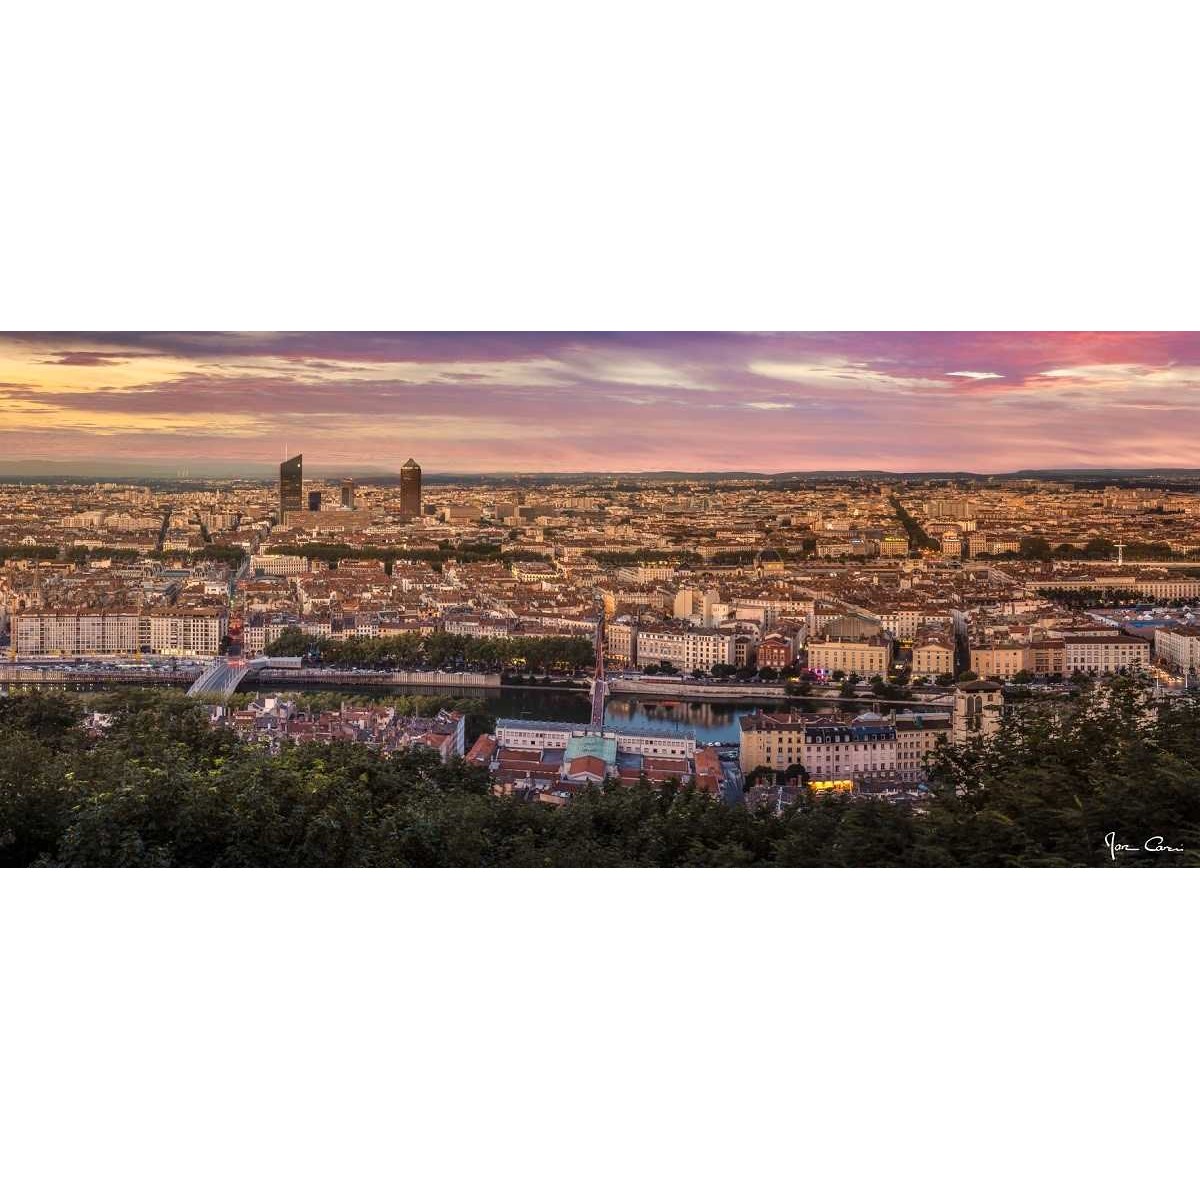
<point>607,401</point>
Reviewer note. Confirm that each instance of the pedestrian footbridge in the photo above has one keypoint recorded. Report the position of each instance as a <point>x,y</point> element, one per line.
<point>223,675</point>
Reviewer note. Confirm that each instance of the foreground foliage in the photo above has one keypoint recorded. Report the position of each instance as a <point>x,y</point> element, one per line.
<point>160,788</point>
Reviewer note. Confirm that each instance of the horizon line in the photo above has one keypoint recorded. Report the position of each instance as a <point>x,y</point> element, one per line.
<point>68,467</point>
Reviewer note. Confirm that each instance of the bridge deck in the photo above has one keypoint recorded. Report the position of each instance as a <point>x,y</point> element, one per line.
<point>221,678</point>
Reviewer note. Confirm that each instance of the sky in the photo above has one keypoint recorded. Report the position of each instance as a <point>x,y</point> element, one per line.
<point>466,402</point>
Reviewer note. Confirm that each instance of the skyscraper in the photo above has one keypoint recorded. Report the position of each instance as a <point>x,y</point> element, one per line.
<point>410,489</point>
<point>291,486</point>
<point>314,501</point>
<point>347,493</point>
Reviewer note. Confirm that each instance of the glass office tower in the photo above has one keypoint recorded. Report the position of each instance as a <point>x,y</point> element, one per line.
<point>291,485</point>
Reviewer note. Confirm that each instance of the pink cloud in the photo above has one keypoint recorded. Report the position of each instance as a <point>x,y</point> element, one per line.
<point>631,401</point>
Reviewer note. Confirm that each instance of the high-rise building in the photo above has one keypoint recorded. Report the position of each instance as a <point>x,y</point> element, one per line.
<point>291,485</point>
<point>410,489</point>
<point>347,493</point>
<point>314,501</point>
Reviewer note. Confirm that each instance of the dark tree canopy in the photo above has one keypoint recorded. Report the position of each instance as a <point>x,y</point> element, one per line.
<point>160,787</point>
<point>429,651</point>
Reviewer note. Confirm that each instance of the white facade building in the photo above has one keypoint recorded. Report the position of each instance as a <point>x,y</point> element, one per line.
<point>685,650</point>
<point>85,633</point>
<point>1107,655</point>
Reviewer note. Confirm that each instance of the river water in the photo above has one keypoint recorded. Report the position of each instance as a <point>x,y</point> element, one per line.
<point>709,721</point>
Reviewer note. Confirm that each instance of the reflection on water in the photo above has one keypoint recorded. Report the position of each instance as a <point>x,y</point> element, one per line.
<point>710,722</point>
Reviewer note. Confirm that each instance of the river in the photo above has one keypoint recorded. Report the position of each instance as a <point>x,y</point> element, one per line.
<point>709,721</point>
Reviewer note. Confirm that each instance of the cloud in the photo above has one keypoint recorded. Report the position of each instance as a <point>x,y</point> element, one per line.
<point>84,358</point>
<point>544,401</point>
<point>842,374</point>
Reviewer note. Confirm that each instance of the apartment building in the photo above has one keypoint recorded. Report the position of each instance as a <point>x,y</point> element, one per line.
<point>279,564</point>
<point>1179,645</point>
<point>1106,655</point>
<point>933,652</point>
<point>772,740</point>
<point>776,651</point>
<point>261,630</point>
<point>696,604</point>
<point>620,641</point>
<point>88,633</point>
<point>827,750</point>
<point>864,656</point>
<point>686,650</point>
<point>917,736</point>
<point>998,660</point>
<point>869,746</point>
<point>1046,656</point>
<point>646,573</point>
<point>193,632</point>
<point>903,621</point>
<point>857,750</point>
<point>77,633</point>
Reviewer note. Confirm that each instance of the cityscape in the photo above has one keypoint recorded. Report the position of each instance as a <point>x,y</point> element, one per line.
<point>501,504</point>
<point>818,666</point>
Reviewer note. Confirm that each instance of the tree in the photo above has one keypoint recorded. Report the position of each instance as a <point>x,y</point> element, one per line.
<point>293,643</point>
<point>423,652</point>
<point>1099,548</point>
<point>159,786</point>
<point>917,536</point>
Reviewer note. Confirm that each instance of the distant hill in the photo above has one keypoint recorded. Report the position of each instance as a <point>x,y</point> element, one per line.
<point>73,470</point>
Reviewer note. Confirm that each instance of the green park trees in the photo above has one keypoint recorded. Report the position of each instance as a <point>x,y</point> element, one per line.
<point>415,651</point>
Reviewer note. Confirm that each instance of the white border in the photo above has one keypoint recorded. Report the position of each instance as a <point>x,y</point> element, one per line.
<point>596,1033</point>
<point>535,166</point>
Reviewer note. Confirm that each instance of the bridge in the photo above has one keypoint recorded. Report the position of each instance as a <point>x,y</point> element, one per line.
<point>599,683</point>
<point>223,676</point>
